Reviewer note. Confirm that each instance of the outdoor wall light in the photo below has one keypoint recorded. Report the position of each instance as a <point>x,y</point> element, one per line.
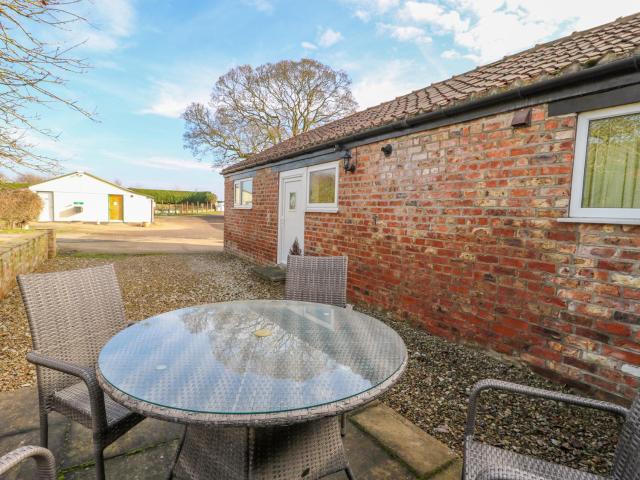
<point>348,162</point>
<point>387,149</point>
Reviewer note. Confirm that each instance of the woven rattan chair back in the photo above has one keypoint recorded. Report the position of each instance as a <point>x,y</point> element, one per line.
<point>626,465</point>
<point>317,279</point>
<point>71,315</point>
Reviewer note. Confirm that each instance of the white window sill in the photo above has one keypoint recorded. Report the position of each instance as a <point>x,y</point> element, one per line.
<point>610,221</point>
<point>243,207</point>
<point>322,210</point>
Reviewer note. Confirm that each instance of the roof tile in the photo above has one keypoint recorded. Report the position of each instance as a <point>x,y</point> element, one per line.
<point>606,42</point>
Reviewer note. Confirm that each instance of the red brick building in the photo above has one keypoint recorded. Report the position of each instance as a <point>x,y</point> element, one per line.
<point>500,207</point>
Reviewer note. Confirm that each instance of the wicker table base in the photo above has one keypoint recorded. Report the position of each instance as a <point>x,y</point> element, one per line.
<point>306,451</point>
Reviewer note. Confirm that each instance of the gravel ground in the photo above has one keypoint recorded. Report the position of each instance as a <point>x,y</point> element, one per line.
<point>433,393</point>
<point>150,284</point>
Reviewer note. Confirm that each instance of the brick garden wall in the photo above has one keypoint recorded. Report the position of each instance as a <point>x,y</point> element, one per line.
<point>456,231</point>
<point>253,233</point>
<point>22,254</point>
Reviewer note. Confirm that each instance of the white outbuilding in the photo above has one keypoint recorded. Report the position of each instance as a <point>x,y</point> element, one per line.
<point>82,197</point>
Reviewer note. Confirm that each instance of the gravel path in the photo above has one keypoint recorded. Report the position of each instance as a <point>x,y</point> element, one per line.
<point>433,393</point>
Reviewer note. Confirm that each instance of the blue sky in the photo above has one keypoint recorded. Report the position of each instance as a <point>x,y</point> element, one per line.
<point>151,58</point>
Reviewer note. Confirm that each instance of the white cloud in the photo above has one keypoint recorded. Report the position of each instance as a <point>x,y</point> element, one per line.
<point>170,100</point>
<point>405,33</point>
<point>260,5</point>
<point>108,23</point>
<point>329,37</point>
<point>51,145</point>
<point>486,30</point>
<point>450,54</point>
<point>387,81</point>
<point>309,46</point>
<point>170,163</point>
<point>170,97</point>
<point>365,9</point>
<point>424,12</point>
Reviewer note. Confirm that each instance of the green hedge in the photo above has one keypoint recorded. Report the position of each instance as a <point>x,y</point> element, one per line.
<point>176,196</point>
<point>12,185</point>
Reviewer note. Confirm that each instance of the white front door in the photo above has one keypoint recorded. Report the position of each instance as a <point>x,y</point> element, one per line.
<point>46,215</point>
<point>292,201</point>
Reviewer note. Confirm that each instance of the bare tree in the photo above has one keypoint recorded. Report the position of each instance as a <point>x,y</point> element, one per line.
<point>31,71</point>
<point>30,178</point>
<point>252,109</point>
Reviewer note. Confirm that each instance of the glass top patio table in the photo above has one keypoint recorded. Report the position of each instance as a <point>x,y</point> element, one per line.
<point>251,357</point>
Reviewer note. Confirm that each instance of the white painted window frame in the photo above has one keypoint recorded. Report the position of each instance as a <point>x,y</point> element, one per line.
<point>322,207</point>
<point>240,181</point>
<point>576,211</point>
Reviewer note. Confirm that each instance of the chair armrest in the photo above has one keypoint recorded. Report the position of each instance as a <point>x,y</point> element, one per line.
<point>44,461</point>
<point>87,375</point>
<point>506,473</point>
<point>491,384</point>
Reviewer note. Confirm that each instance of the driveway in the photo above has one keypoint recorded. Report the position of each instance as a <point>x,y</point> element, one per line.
<point>179,234</point>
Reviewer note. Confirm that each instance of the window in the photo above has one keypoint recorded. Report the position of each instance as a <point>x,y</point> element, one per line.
<point>606,176</point>
<point>322,187</point>
<point>243,193</point>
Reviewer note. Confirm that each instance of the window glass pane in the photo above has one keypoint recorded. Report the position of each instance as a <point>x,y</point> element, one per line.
<point>247,189</point>
<point>612,167</point>
<point>322,186</point>
<point>236,193</point>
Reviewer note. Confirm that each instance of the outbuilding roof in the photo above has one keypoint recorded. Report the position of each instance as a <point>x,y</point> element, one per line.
<point>92,176</point>
<point>579,50</point>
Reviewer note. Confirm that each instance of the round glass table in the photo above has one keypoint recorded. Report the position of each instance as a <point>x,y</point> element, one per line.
<point>259,383</point>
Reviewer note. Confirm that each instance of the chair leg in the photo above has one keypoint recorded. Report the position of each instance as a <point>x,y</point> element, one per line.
<point>98,455</point>
<point>44,429</point>
<point>343,424</point>
<point>349,473</point>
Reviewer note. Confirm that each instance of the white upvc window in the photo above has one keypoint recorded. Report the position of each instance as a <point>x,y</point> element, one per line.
<point>243,193</point>
<point>606,172</point>
<point>322,187</point>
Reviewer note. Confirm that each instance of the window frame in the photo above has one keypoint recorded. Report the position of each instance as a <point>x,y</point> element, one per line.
<point>240,181</point>
<point>576,210</point>
<point>322,207</point>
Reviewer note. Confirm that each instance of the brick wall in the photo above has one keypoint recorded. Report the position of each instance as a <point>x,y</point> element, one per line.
<point>253,233</point>
<point>22,254</point>
<point>456,231</point>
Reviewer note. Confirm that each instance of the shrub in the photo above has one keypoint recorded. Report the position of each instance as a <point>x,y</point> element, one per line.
<point>17,207</point>
<point>176,196</point>
<point>12,185</point>
<point>295,248</point>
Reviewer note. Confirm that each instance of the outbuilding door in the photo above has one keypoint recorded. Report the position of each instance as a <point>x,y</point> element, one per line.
<point>292,207</point>
<point>116,209</point>
<point>46,215</point>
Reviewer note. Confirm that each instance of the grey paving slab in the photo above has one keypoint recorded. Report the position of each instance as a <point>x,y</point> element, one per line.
<point>153,463</point>
<point>19,412</point>
<point>369,461</point>
<point>57,435</point>
<point>148,433</point>
<point>422,453</point>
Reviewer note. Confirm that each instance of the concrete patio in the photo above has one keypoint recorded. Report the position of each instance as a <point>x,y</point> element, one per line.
<point>381,445</point>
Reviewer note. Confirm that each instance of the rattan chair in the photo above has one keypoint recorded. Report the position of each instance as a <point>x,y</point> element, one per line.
<point>319,280</point>
<point>45,463</point>
<point>486,462</point>
<point>71,316</point>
